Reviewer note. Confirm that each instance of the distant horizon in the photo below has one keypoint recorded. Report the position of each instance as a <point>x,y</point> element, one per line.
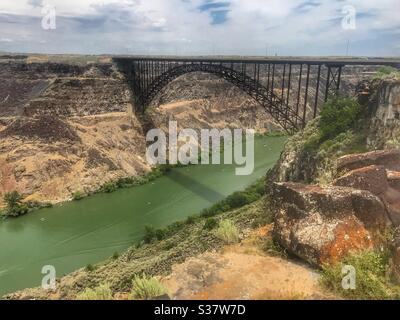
<point>195,55</point>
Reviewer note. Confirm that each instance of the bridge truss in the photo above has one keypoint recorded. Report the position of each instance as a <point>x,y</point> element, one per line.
<point>292,91</point>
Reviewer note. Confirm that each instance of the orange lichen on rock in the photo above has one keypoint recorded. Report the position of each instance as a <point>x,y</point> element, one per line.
<point>349,235</point>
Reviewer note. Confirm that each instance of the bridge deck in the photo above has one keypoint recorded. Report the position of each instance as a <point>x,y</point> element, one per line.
<point>395,62</point>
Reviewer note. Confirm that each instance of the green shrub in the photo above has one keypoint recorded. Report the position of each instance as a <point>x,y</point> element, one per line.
<point>102,292</point>
<point>115,256</point>
<point>78,195</point>
<point>240,199</point>
<point>109,187</point>
<point>89,268</point>
<point>15,206</point>
<point>12,199</point>
<point>191,219</point>
<point>210,224</point>
<point>337,116</point>
<point>371,282</point>
<point>386,72</point>
<point>227,232</point>
<point>149,234</point>
<point>236,200</point>
<point>145,288</point>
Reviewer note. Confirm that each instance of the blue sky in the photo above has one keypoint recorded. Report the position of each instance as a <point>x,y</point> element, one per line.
<point>201,27</point>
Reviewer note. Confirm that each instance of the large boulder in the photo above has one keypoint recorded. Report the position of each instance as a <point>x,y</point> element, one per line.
<point>375,179</point>
<point>390,159</point>
<point>372,178</point>
<point>323,224</point>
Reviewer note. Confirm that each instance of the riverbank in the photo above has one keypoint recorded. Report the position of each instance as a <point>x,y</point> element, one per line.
<point>74,234</point>
<point>196,242</point>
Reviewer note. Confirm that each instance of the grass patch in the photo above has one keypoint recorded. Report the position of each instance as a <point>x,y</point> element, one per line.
<point>102,292</point>
<point>145,288</point>
<point>386,72</point>
<point>228,232</point>
<point>270,247</point>
<point>371,277</point>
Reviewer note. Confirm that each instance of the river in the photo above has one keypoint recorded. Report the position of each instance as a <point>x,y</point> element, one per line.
<point>75,234</point>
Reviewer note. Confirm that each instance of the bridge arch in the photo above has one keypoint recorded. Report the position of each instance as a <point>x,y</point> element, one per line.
<point>275,106</point>
<point>291,90</point>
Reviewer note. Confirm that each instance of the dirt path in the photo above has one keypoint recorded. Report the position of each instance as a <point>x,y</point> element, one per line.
<point>242,272</point>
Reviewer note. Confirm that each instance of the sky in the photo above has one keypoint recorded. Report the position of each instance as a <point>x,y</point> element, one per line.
<point>202,27</point>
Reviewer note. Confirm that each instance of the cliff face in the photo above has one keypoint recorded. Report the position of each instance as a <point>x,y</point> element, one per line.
<point>385,123</point>
<point>201,101</point>
<point>65,127</point>
<point>377,128</point>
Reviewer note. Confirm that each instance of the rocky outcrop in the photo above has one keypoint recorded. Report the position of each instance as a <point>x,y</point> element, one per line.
<point>323,224</point>
<point>374,177</point>
<point>390,159</point>
<point>384,129</point>
<point>66,125</point>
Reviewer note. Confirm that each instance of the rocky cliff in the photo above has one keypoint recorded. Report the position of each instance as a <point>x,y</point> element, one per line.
<point>337,196</point>
<point>65,126</point>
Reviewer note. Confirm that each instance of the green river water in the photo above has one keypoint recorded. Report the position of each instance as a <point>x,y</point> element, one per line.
<point>74,234</point>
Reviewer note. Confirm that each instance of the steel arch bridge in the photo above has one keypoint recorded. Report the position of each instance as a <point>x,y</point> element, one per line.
<point>292,91</point>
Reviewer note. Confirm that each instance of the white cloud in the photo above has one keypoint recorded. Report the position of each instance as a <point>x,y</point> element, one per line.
<point>290,27</point>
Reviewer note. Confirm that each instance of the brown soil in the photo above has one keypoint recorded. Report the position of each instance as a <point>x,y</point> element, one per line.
<point>242,272</point>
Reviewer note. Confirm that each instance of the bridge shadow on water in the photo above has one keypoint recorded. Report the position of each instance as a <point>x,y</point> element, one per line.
<point>196,187</point>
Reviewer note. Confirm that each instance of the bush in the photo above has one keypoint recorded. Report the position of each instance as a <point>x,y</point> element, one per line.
<point>149,234</point>
<point>78,195</point>
<point>89,268</point>
<point>145,288</point>
<point>371,283</point>
<point>210,224</point>
<point>15,206</point>
<point>12,199</point>
<point>115,256</point>
<point>228,232</point>
<point>102,292</point>
<point>109,187</point>
<point>236,200</point>
<point>386,71</point>
<point>337,116</point>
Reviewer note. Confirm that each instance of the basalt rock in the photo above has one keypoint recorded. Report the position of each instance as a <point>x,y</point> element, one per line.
<point>372,178</point>
<point>375,179</point>
<point>394,179</point>
<point>390,159</point>
<point>323,224</point>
